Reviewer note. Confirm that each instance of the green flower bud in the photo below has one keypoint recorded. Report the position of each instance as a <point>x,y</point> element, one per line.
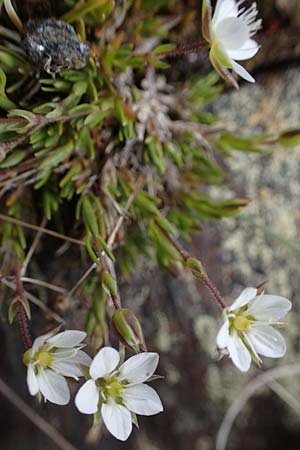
<point>195,265</point>
<point>129,330</point>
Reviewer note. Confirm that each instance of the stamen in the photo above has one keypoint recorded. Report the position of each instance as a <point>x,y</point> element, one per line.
<point>249,18</point>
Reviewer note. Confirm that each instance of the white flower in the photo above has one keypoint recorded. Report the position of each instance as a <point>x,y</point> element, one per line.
<point>51,358</point>
<point>229,33</point>
<point>248,329</point>
<point>117,392</point>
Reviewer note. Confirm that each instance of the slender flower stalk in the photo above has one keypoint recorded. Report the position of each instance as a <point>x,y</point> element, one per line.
<point>196,268</point>
<point>20,299</point>
<point>184,49</point>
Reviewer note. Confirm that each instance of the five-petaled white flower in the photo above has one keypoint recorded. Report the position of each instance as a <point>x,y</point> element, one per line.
<point>51,358</point>
<point>248,328</point>
<point>118,391</point>
<point>229,33</point>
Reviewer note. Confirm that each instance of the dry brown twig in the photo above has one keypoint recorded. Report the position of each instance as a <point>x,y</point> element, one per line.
<point>35,418</point>
<point>265,379</point>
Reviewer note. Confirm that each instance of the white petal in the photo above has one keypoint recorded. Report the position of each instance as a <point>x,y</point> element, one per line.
<point>244,298</point>
<point>270,308</point>
<point>82,358</point>
<point>87,398</point>
<point>67,369</point>
<point>242,72</point>
<point>38,342</point>
<point>53,387</point>
<point>142,399</point>
<point>139,367</point>
<point>232,33</point>
<point>238,353</point>
<point>64,354</point>
<point>104,362</point>
<point>117,420</point>
<point>68,338</point>
<point>224,9</point>
<point>32,382</point>
<point>247,51</point>
<point>223,335</point>
<point>267,341</point>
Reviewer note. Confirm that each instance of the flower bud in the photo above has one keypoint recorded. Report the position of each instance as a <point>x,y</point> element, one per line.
<point>195,265</point>
<point>129,330</point>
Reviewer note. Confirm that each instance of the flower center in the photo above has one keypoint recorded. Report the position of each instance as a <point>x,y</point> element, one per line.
<point>43,358</point>
<point>241,323</point>
<point>112,388</point>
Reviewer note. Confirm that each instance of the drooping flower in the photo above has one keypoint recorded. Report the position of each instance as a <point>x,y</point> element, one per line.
<point>118,392</point>
<point>51,358</point>
<point>229,33</point>
<point>249,328</point>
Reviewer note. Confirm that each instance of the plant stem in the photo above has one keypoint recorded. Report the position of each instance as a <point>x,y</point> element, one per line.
<point>11,285</point>
<point>7,147</point>
<point>43,425</point>
<point>198,273</point>
<point>43,230</point>
<point>114,298</point>
<point>13,15</point>
<point>115,301</point>
<point>191,48</point>
<point>20,296</point>
<point>212,288</point>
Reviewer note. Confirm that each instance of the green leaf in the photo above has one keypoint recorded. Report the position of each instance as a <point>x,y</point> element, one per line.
<point>105,248</point>
<point>89,217</point>
<point>13,159</point>
<point>89,248</point>
<point>5,103</point>
<point>81,9</point>
<point>57,156</point>
<point>163,49</point>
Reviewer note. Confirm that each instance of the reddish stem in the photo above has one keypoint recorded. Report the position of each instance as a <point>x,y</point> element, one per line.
<point>115,301</point>
<point>20,296</point>
<point>202,276</point>
<point>40,121</point>
<point>192,48</point>
<point>212,288</point>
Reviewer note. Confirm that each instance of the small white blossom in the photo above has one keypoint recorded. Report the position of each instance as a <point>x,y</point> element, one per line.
<point>229,33</point>
<point>248,329</point>
<point>118,391</point>
<point>51,358</point>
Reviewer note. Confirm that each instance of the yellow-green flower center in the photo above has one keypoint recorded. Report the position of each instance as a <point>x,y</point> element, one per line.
<point>241,323</point>
<point>42,357</point>
<point>110,387</point>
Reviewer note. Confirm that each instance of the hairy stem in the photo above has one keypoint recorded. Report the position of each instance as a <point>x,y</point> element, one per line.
<point>20,296</point>
<point>197,272</point>
<point>183,50</point>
